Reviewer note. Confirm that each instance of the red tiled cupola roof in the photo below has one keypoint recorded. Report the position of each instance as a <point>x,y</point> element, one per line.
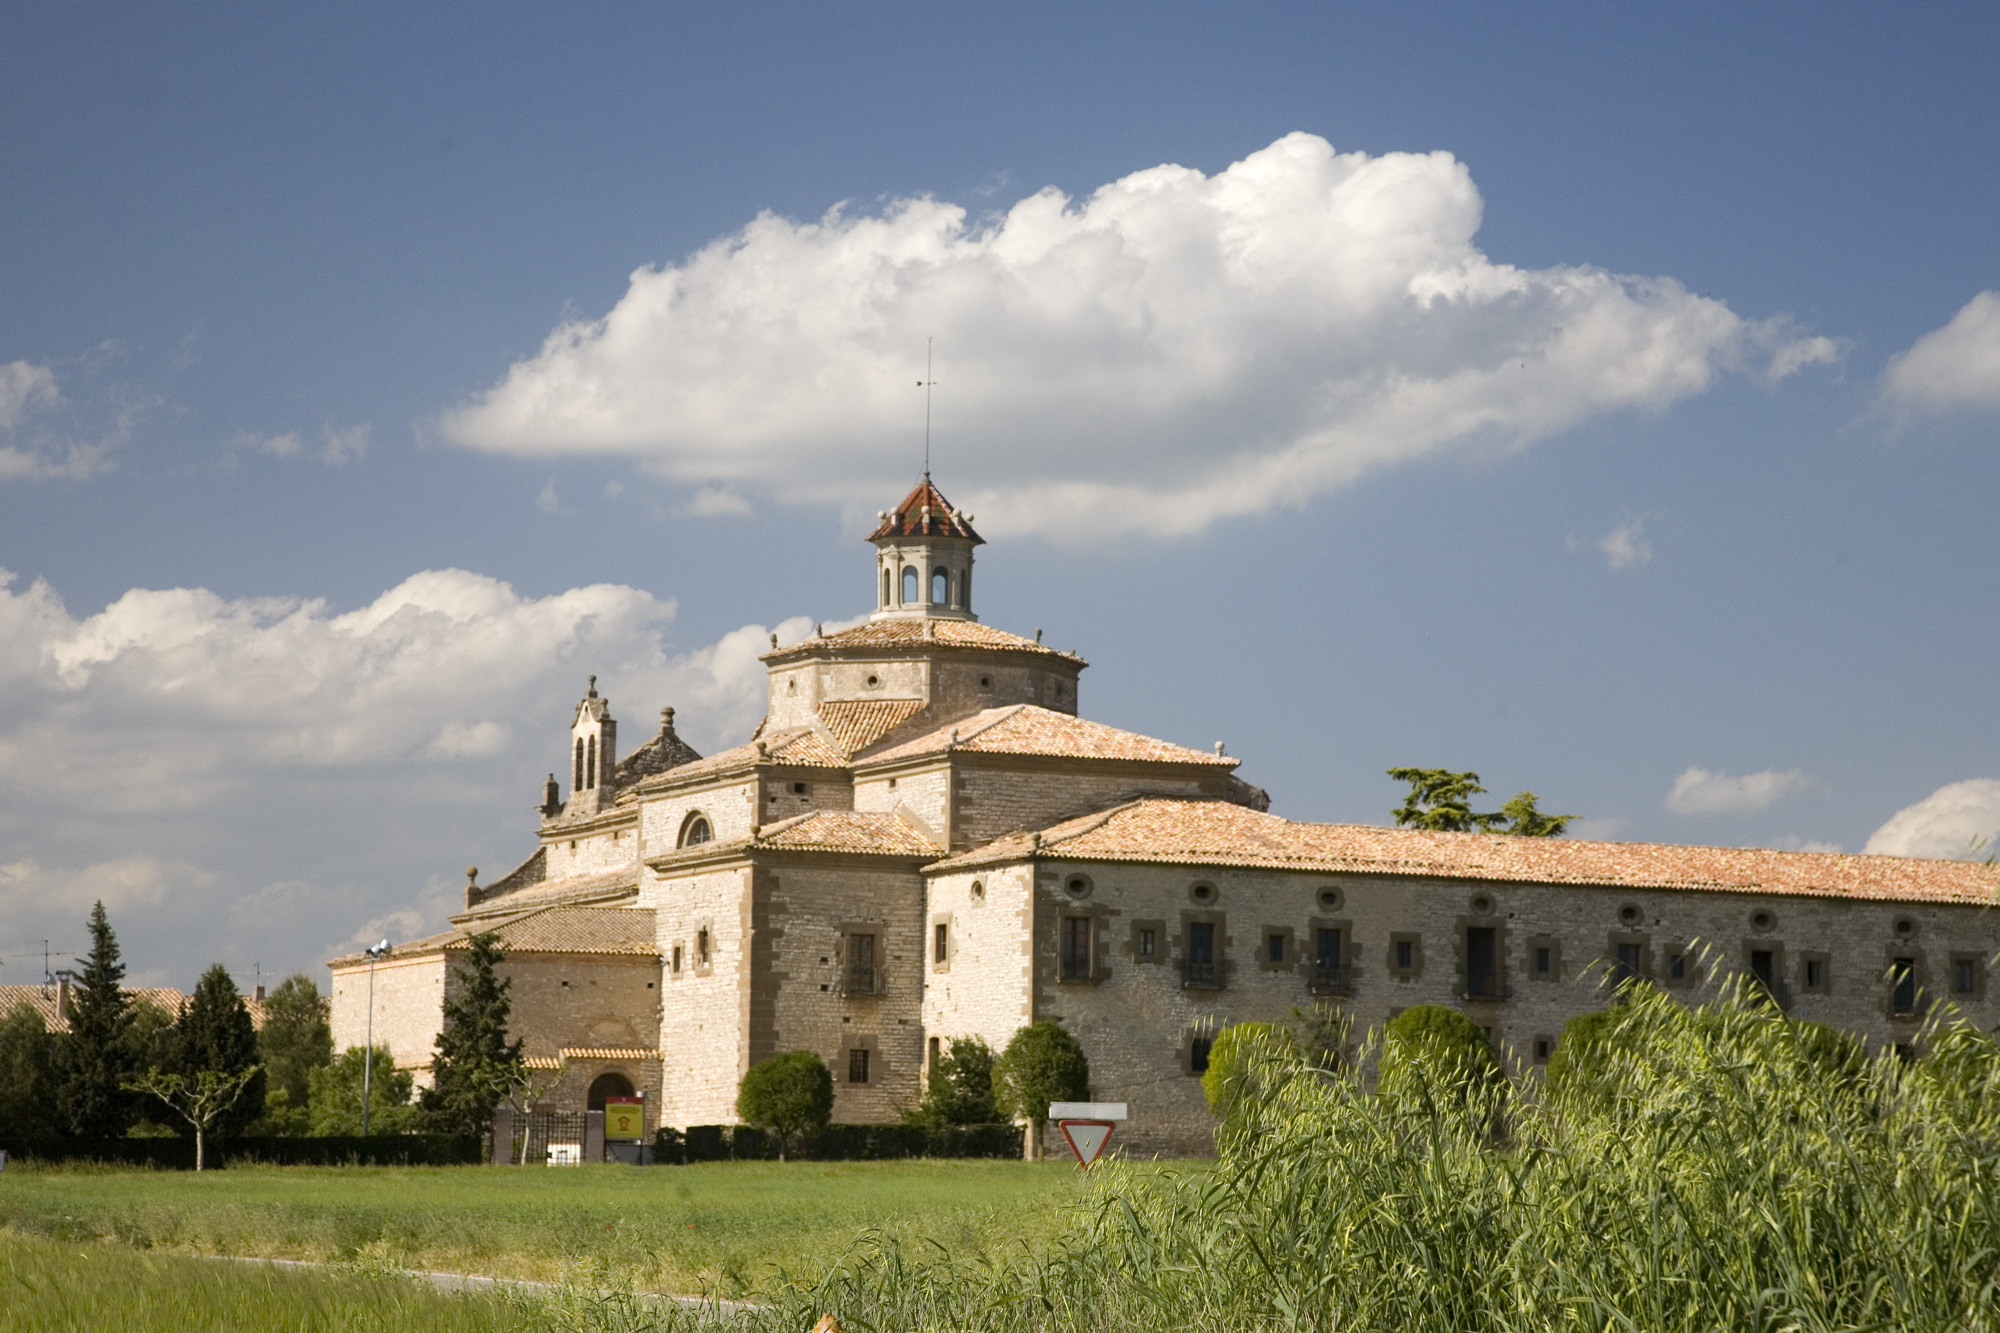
<point>925,513</point>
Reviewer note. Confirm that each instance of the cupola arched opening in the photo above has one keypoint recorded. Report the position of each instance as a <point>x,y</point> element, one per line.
<point>590,762</point>
<point>940,588</point>
<point>695,830</point>
<point>576,784</point>
<point>911,586</point>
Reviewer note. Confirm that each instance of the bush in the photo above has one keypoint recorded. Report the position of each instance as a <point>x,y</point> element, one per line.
<point>1433,1055</point>
<point>839,1143</point>
<point>958,1087</point>
<point>1235,1059</point>
<point>177,1154</point>
<point>789,1093</point>
<point>336,1094</point>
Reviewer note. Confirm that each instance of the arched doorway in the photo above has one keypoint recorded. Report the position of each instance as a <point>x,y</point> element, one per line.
<point>607,1085</point>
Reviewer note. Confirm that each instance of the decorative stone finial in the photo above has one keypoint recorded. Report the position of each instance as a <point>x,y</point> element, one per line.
<point>593,688</point>
<point>1038,634</point>
<point>472,877</point>
<point>774,640</point>
<point>1218,749</point>
<point>763,750</point>
<point>667,718</point>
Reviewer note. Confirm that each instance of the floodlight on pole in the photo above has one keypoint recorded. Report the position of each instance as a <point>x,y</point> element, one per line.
<point>368,1046</point>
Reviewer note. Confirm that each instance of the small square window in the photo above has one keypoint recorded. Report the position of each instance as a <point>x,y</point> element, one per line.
<point>798,789</point>
<point>1964,976</point>
<point>1544,1047</point>
<point>857,1065</point>
<point>1274,948</point>
<point>1148,943</point>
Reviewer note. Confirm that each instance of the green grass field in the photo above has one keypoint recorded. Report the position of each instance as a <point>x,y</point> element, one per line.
<point>724,1229</point>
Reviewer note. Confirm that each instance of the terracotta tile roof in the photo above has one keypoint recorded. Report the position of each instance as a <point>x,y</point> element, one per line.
<point>925,512</point>
<point>916,632</point>
<point>1212,833</point>
<point>607,931</point>
<point>1028,729</point>
<point>42,999</point>
<point>500,901</point>
<point>608,1053</point>
<point>664,751</point>
<point>800,746</point>
<point>820,831</point>
<point>861,722</point>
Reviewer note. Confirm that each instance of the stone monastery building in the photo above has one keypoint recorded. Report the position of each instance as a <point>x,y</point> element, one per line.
<point>923,840</point>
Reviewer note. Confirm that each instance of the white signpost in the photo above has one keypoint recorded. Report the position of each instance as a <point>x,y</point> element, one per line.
<point>1087,1126</point>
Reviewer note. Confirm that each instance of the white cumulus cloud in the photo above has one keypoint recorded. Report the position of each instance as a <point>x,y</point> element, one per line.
<point>1174,349</point>
<point>1950,369</point>
<point>1959,821</point>
<point>253,779</point>
<point>1700,792</point>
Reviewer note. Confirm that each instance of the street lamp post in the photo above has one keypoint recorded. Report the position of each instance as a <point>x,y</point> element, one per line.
<point>368,1049</point>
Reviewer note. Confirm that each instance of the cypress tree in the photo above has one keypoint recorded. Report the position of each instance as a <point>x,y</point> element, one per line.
<point>475,1065</point>
<point>93,1059</point>
<point>215,1035</point>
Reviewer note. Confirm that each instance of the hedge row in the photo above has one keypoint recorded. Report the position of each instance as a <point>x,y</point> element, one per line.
<point>838,1143</point>
<point>177,1154</point>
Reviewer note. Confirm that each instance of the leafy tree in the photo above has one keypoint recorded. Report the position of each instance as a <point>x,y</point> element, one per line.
<point>958,1089</point>
<point>1436,1055</point>
<point>1043,1063</point>
<point>475,1065</point>
<point>788,1093</point>
<point>202,1097</point>
<point>296,1038</point>
<point>93,1061</point>
<point>1234,1059</point>
<point>27,1075</point>
<point>214,1035</point>
<point>1442,800</point>
<point>334,1094</point>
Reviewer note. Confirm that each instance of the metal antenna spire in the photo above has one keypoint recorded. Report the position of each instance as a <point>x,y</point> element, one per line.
<point>926,384</point>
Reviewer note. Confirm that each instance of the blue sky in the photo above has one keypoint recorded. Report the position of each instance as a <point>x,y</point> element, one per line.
<point>315,532</point>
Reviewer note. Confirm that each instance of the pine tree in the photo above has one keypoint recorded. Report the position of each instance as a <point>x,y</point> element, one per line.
<point>93,1061</point>
<point>475,1065</point>
<point>215,1035</point>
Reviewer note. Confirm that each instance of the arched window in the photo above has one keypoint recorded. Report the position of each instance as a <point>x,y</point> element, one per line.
<point>590,763</point>
<point>910,585</point>
<point>607,1085</point>
<point>696,830</point>
<point>885,585</point>
<point>940,588</point>
<point>577,783</point>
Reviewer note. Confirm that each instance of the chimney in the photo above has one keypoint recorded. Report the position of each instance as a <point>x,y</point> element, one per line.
<point>62,996</point>
<point>260,994</point>
<point>551,798</point>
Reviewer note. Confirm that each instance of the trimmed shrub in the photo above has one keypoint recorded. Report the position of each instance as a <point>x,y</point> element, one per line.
<point>1234,1059</point>
<point>790,1093</point>
<point>1432,1054</point>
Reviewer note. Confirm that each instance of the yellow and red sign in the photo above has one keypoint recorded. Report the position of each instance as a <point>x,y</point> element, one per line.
<point>624,1118</point>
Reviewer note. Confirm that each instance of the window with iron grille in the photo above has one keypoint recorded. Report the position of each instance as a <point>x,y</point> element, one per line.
<point>857,1065</point>
<point>1075,948</point>
<point>1201,964</point>
<point>1903,988</point>
<point>1274,947</point>
<point>1631,964</point>
<point>1326,957</point>
<point>863,978</point>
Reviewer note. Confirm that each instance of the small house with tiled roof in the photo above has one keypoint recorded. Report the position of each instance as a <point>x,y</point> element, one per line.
<point>925,840</point>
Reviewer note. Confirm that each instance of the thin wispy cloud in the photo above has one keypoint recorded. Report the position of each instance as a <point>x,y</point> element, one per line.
<point>1700,792</point>
<point>333,446</point>
<point>1171,351</point>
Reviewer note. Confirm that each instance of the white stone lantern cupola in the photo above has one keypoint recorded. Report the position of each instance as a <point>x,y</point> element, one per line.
<point>923,558</point>
<point>593,736</point>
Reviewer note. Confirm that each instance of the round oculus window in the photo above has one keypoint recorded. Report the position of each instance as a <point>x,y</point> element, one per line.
<point>1630,914</point>
<point>1905,927</point>
<point>1482,905</point>
<point>1762,921</point>
<point>1202,893</point>
<point>1077,886</point>
<point>1329,899</point>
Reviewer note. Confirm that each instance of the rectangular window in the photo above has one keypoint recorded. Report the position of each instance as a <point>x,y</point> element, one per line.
<point>1764,966</point>
<point>937,1044</point>
<point>1964,976</point>
<point>1198,1054</point>
<point>1677,967</point>
<point>1543,1047</point>
<point>1147,943</point>
<point>862,976</point>
<point>701,945</point>
<point>1545,960</point>
<point>940,942</point>
<point>1903,991</point>
<point>1815,974</point>
<point>1274,948</point>
<point>1076,948</point>
<point>799,789</point>
<point>857,1065</point>
<point>1406,955</point>
<point>1482,962</point>
<point>1326,957</point>
<point>677,958</point>
<point>1201,969</point>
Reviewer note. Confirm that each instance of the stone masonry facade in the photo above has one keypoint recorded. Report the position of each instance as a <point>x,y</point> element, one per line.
<point>925,840</point>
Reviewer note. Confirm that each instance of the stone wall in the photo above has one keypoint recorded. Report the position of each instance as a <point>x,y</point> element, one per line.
<point>705,1004</point>
<point>729,805</point>
<point>409,1007</point>
<point>587,852</point>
